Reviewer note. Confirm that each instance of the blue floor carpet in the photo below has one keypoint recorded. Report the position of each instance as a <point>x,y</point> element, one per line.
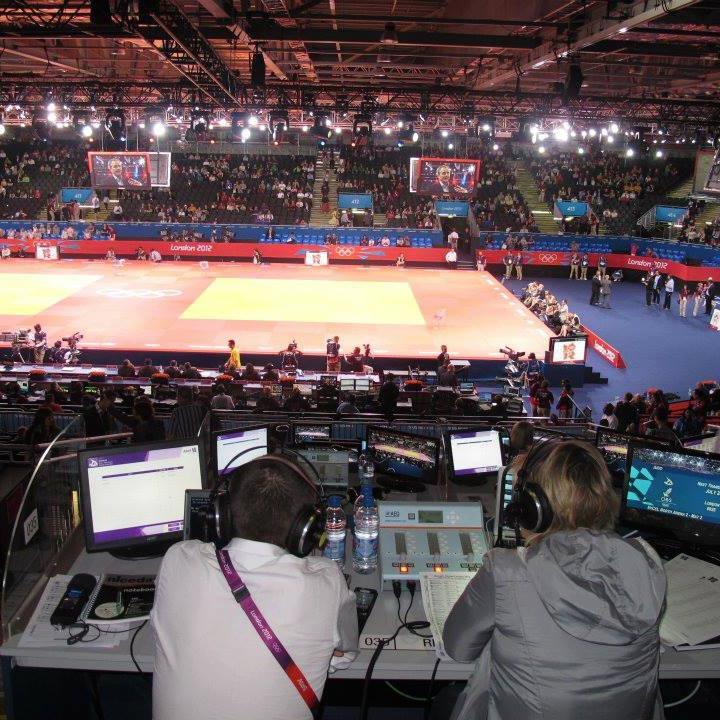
<point>660,348</point>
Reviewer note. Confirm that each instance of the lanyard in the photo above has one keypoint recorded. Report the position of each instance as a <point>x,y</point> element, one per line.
<point>262,628</point>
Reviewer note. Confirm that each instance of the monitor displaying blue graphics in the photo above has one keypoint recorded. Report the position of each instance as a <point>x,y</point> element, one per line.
<point>135,495</point>
<point>673,489</point>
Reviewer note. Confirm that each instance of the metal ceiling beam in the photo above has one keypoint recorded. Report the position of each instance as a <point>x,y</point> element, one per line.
<point>595,31</point>
<point>630,47</point>
<point>191,54</point>
<point>47,61</point>
<point>430,20</point>
<point>283,18</point>
<point>401,97</point>
<point>264,32</point>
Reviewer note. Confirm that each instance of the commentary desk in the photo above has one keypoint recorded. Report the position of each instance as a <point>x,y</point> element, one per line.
<point>393,664</point>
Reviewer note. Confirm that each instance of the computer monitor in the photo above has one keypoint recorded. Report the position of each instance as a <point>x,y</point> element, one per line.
<point>311,433</point>
<point>252,442</point>
<point>331,463</point>
<point>133,496</point>
<point>466,387</point>
<point>347,384</point>
<point>568,350</point>
<point>410,460</point>
<point>362,384</point>
<point>613,446</point>
<point>673,491</point>
<point>474,453</point>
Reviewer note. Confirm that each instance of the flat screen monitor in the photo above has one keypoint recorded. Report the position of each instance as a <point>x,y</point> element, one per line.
<point>362,384</point>
<point>332,464</point>
<point>673,490</point>
<point>404,455</point>
<point>475,452</point>
<point>311,433</point>
<point>133,496</point>
<point>448,177</point>
<point>125,170</point>
<point>571,350</point>
<point>614,445</point>
<point>347,384</point>
<point>252,442</point>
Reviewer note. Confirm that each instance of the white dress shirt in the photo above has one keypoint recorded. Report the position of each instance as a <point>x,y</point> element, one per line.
<point>210,662</point>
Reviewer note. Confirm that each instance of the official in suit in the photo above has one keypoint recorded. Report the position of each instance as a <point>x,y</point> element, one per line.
<point>595,291</point>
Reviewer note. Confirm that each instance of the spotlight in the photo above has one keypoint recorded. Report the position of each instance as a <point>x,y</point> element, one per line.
<point>199,122</point>
<point>387,130</point>
<point>444,133</point>
<point>86,131</point>
<point>613,128</point>
<point>279,123</point>
<point>629,152</point>
<point>115,124</point>
<point>158,128</point>
<point>320,129</point>
<point>496,146</point>
<point>581,151</point>
<point>362,125</point>
<point>610,139</point>
<point>2,128</point>
<point>305,128</point>
<point>253,121</point>
<point>245,134</point>
<point>592,132</point>
<point>450,146</point>
<point>541,149</point>
<point>658,153</point>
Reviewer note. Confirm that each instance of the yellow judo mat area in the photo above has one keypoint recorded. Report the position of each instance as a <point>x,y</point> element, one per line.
<point>32,293</point>
<point>315,301</point>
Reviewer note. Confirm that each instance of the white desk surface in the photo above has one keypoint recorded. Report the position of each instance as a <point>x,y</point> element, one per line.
<point>392,665</point>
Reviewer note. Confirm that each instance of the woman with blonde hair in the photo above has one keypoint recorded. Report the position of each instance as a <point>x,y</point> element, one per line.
<point>568,626</point>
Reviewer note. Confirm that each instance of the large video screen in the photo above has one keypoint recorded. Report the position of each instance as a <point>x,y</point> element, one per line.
<point>712,184</point>
<point>160,163</point>
<point>448,177</point>
<point>126,170</point>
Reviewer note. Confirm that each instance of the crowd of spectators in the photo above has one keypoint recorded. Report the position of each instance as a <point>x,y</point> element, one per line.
<point>619,189</point>
<point>553,312</point>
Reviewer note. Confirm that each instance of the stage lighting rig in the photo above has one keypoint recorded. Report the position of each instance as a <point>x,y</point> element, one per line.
<point>115,124</point>
<point>199,121</point>
<point>321,129</point>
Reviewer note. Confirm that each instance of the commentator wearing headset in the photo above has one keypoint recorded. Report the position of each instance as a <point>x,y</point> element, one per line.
<point>568,626</point>
<point>210,661</point>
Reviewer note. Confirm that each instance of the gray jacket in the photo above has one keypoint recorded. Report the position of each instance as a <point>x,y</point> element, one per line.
<point>565,629</point>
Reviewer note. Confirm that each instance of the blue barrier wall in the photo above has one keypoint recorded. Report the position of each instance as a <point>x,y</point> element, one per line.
<point>250,233</point>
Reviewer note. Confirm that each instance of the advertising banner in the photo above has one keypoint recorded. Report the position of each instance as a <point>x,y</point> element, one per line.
<point>604,349</point>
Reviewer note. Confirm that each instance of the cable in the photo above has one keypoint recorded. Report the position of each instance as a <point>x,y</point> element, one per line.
<point>132,646</point>
<point>685,699</point>
<point>430,697</point>
<point>405,695</point>
<point>364,707</point>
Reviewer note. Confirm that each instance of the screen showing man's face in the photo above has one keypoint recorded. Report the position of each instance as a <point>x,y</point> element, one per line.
<point>443,175</point>
<point>569,351</point>
<point>115,167</point>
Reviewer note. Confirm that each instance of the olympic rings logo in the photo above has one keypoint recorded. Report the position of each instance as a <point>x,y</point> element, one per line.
<point>547,259</point>
<point>119,293</point>
<point>345,251</point>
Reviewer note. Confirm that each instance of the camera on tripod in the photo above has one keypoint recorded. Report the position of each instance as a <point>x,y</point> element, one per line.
<point>511,354</point>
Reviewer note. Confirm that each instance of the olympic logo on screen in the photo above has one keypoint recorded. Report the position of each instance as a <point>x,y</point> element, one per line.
<point>142,294</point>
<point>547,259</point>
<point>345,251</point>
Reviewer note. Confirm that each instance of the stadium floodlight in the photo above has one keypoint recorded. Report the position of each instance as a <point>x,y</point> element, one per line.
<point>115,124</point>
<point>592,132</point>
<point>629,152</point>
<point>444,133</point>
<point>279,123</point>
<point>613,128</point>
<point>541,149</point>
<point>658,153</point>
<point>387,131</point>
<point>253,120</point>
<point>245,134</point>
<point>450,146</point>
<point>86,131</point>
<point>610,139</point>
<point>2,128</point>
<point>158,128</point>
<point>496,146</point>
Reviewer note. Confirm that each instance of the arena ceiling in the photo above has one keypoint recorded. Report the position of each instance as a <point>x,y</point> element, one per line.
<point>654,61</point>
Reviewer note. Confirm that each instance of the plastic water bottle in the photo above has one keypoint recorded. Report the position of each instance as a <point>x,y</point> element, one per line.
<point>365,537</point>
<point>335,525</point>
<point>366,470</point>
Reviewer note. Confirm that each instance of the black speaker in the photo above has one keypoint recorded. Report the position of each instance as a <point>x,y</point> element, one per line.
<point>257,69</point>
<point>100,12</point>
<point>573,82</point>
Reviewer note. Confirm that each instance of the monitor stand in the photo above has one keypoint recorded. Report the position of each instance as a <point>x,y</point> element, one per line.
<point>392,483</point>
<point>142,552</point>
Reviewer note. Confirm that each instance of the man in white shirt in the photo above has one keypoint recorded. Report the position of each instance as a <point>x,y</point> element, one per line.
<point>669,290</point>
<point>451,259</point>
<point>453,238</point>
<point>209,660</point>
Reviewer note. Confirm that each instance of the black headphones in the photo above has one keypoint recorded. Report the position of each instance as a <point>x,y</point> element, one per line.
<point>307,528</point>
<point>530,508</point>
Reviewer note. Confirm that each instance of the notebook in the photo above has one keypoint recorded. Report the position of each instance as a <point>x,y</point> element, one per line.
<point>120,598</point>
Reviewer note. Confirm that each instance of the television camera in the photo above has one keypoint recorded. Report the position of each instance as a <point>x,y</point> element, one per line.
<point>514,367</point>
<point>71,356</point>
<point>19,340</point>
